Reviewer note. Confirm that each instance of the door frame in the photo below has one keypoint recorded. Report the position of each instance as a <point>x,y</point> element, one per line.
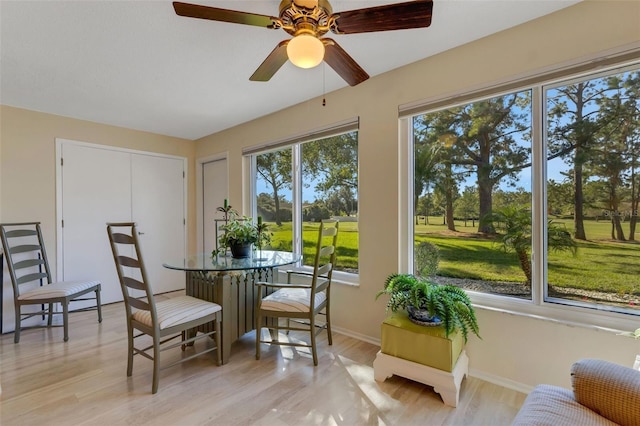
<point>200,162</point>
<point>60,142</point>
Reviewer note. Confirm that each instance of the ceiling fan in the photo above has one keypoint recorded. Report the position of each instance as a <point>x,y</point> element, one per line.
<point>307,21</point>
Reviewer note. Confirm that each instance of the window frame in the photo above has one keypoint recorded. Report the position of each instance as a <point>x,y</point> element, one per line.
<point>295,144</point>
<point>540,305</point>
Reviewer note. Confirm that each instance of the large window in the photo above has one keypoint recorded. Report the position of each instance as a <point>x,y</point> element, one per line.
<point>302,183</point>
<point>492,186</point>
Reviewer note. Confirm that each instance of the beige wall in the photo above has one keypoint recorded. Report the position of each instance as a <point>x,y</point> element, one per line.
<point>515,350</point>
<point>28,172</point>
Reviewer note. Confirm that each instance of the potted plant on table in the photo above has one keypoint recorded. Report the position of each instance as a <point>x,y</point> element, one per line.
<point>240,234</point>
<point>428,303</point>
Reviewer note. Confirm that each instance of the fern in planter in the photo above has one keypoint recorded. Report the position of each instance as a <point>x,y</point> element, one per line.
<point>445,303</point>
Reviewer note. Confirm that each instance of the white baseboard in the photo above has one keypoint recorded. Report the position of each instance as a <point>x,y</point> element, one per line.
<point>356,335</point>
<point>500,381</point>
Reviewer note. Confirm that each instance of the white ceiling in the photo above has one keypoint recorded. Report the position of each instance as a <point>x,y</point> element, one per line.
<point>136,64</point>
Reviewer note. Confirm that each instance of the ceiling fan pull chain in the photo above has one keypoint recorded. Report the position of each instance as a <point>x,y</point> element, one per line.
<point>324,89</point>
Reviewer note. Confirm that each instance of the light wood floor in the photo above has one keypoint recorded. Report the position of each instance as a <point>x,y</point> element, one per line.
<point>83,382</point>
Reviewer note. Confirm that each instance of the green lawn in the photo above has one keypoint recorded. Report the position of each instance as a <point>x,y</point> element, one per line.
<point>600,264</point>
<point>347,251</point>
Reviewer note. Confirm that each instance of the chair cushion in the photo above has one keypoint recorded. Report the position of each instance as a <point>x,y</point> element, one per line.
<point>177,310</point>
<point>291,300</point>
<point>58,289</point>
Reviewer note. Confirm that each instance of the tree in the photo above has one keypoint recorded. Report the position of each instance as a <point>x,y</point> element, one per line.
<point>559,196</point>
<point>467,206</point>
<point>487,138</point>
<point>572,129</point>
<point>514,224</point>
<point>332,163</point>
<point>426,172</point>
<point>275,168</point>
<point>615,158</point>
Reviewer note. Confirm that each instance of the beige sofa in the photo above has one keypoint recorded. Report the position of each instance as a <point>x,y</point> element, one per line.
<point>603,394</point>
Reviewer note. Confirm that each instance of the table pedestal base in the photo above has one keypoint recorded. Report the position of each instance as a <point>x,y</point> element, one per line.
<point>445,383</point>
<point>235,292</point>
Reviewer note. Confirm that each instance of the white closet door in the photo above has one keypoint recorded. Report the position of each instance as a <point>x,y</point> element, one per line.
<point>158,209</point>
<point>214,191</point>
<point>96,189</point>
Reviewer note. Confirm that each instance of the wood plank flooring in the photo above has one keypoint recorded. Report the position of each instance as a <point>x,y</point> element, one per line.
<point>84,382</point>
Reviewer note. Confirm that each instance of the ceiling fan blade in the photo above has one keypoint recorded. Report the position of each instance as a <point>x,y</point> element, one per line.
<point>272,64</point>
<point>398,16</point>
<point>342,63</point>
<point>224,15</point>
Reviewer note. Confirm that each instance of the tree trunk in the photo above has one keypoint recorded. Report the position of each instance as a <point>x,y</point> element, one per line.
<point>525,264</point>
<point>276,204</point>
<point>619,232</point>
<point>578,209</point>
<point>451,226</point>
<point>485,188</point>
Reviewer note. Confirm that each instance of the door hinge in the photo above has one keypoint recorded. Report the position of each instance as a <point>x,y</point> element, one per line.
<point>61,161</point>
<point>183,175</point>
<point>63,223</point>
<point>184,221</point>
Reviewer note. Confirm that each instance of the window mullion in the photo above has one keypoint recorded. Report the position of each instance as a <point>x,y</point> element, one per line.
<point>296,207</point>
<point>539,199</point>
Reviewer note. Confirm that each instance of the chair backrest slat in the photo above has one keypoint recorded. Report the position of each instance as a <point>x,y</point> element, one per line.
<point>120,238</point>
<point>128,261</point>
<point>139,304</point>
<point>133,283</point>
<point>21,233</point>
<point>28,263</point>
<point>31,277</point>
<point>326,251</point>
<point>324,269</point>
<point>24,249</point>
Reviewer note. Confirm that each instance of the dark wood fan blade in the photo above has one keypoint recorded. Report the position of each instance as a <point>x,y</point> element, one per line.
<point>272,64</point>
<point>399,16</point>
<point>342,63</point>
<point>224,15</point>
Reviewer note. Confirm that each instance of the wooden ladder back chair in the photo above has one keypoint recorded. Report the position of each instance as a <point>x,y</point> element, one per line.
<point>301,303</point>
<point>163,321</point>
<point>32,282</point>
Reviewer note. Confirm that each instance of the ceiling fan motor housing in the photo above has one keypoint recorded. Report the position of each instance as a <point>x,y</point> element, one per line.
<point>305,16</point>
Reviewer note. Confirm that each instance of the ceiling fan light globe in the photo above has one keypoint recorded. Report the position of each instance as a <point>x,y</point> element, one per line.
<point>305,51</point>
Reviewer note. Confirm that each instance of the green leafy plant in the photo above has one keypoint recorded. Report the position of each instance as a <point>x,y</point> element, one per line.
<point>514,226</point>
<point>241,231</point>
<point>449,303</point>
<point>426,257</point>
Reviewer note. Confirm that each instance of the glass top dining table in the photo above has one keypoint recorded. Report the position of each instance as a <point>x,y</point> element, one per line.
<point>261,259</point>
<point>211,278</point>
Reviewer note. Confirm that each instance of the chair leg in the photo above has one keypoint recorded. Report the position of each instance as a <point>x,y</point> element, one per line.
<point>16,334</point>
<point>65,318</point>
<point>98,304</point>
<point>130,351</point>
<point>156,363</point>
<point>258,330</point>
<point>218,349</point>
<point>50,317</point>
<point>328,325</point>
<point>312,331</point>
